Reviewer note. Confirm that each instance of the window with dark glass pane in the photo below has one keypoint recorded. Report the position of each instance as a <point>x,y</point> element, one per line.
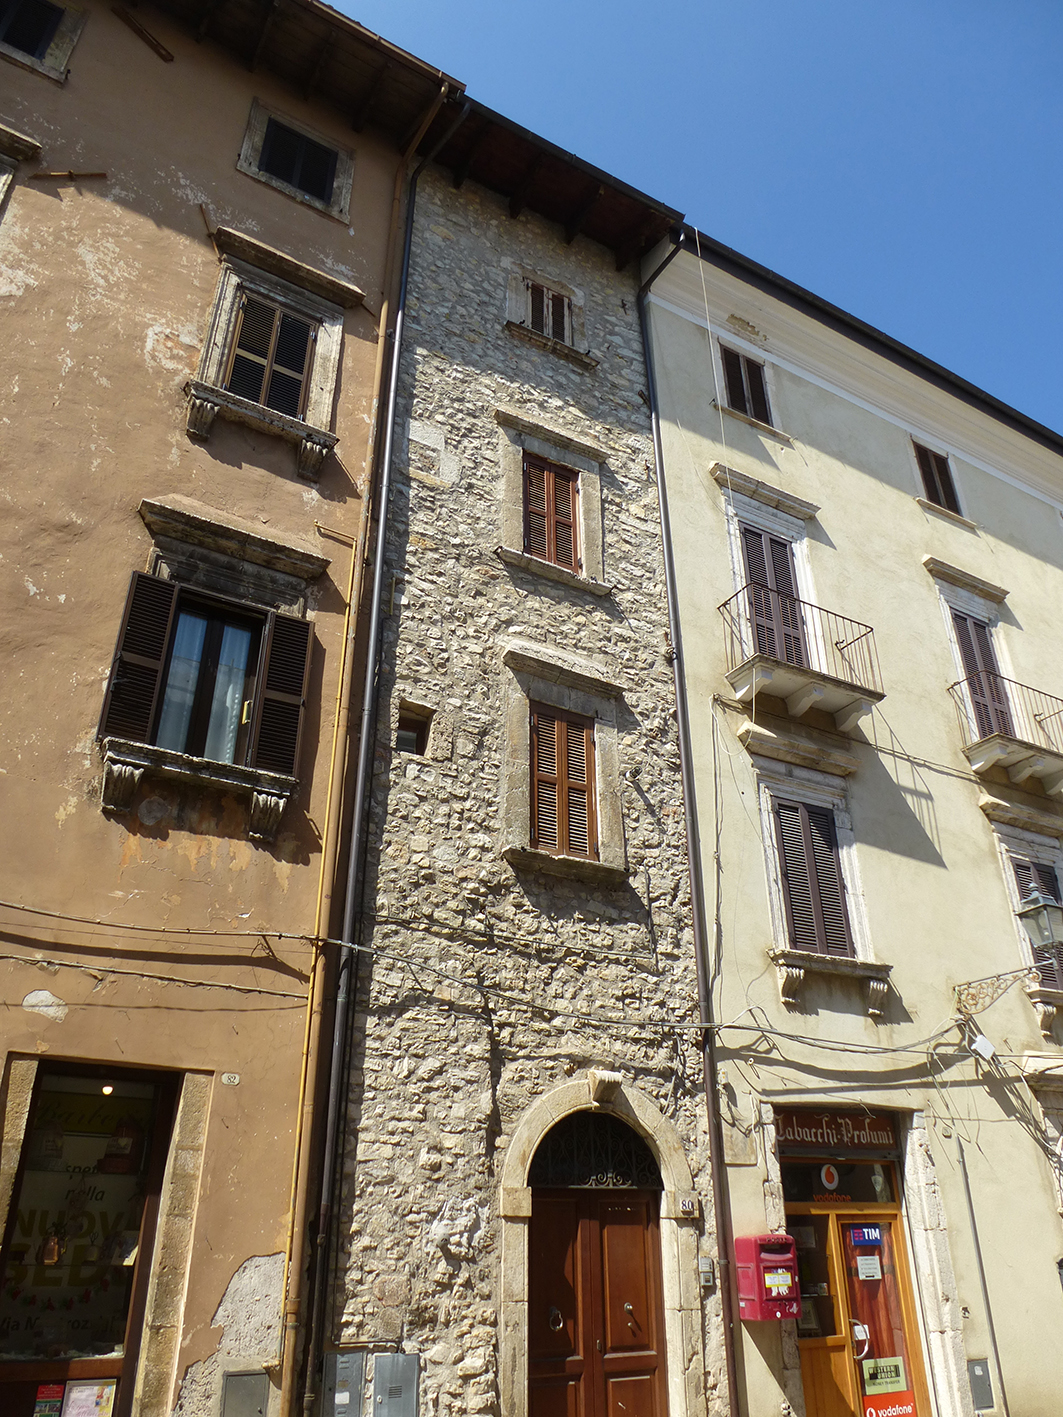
<point>744,385</point>
<point>30,26</point>
<point>207,692</point>
<point>76,1224</point>
<point>294,158</point>
<point>271,356</point>
<point>411,736</point>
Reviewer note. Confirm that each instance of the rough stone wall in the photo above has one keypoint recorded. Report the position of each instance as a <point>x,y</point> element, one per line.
<point>490,985</point>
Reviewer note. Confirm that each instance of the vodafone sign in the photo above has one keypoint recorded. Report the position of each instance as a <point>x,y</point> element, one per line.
<point>889,1404</point>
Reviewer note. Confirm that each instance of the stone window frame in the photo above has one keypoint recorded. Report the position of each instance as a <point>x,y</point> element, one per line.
<point>251,266</point>
<point>521,434</point>
<point>208,551</point>
<point>15,147</point>
<point>534,673</point>
<point>251,152</point>
<point>520,278</point>
<point>793,783</point>
<point>680,1217</point>
<point>54,64</point>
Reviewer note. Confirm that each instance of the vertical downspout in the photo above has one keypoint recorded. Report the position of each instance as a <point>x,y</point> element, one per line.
<point>720,1196</point>
<point>295,1258</point>
<point>347,978</point>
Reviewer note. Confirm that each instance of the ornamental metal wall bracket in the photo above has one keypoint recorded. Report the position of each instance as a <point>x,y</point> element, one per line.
<point>976,995</point>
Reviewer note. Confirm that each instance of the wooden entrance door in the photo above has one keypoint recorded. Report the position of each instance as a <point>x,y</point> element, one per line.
<point>595,1324</point>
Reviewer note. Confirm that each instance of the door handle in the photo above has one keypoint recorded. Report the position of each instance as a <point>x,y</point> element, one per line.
<point>861,1334</point>
<point>556,1319</point>
<point>630,1313</point>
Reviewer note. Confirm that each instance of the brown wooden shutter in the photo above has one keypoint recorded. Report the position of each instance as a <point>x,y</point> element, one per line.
<point>281,696</point>
<point>732,377</point>
<point>538,308</point>
<point>557,322</point>
<point>550,512</point>
<point>813,889</point>
<point>139,659</point>
<point>937,478</point>
<point>989,698</point>
<point>758,393</point>
<point>777,621</point>
<point>1037,876</point>
<point>271,356</point>
<point>563,807</point>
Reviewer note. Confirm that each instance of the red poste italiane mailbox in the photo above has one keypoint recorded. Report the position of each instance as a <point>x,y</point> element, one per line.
<point>766,1266</point>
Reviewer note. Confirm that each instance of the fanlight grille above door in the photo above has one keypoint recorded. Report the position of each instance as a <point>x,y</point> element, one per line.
<point>594,1150</point>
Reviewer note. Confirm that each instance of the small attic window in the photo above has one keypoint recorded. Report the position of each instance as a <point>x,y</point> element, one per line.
<point>411,735</point>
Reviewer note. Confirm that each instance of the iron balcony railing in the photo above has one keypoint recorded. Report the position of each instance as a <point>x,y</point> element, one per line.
<point>987,703</point>
<point>766,622</point>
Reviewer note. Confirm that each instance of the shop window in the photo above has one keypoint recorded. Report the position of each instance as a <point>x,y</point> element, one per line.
<point>77,1244</point>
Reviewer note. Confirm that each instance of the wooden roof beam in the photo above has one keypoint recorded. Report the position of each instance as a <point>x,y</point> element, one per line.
<point>360,116</point>
<point>267,23</point>
<point>324,50</point>
<point>574,226</point>
<point>519,196</point>
<point>636,240</point>
<point>462,168</point>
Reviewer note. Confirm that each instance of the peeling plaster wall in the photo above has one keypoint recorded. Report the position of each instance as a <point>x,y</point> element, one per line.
<point>106,288</point>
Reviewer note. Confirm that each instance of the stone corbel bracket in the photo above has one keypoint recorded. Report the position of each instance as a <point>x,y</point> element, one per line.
<point>1048,1005</point>
<point>207,401</point>
<point>125,764</point>
<point>795,966</point>
<point>603,1085</point>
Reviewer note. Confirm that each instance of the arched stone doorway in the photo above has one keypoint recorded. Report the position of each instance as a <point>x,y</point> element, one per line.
<point>680,1212</point>
<point>595,1311</point>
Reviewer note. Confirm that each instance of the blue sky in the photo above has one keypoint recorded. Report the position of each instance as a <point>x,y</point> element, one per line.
<point>900,158</point>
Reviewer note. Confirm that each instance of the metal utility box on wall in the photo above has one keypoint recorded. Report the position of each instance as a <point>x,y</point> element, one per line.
<point>344,1384</point>
<point>395,1384</point>
<point>245,1395</point>
<point>766,1269</point>
<point>981,1380</point>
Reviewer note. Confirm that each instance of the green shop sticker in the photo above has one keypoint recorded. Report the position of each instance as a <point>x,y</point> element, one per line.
<point>884,1375</point>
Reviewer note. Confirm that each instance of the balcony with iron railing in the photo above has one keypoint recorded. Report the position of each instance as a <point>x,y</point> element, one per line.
<point>1010,725</point>
<point>810,657</point>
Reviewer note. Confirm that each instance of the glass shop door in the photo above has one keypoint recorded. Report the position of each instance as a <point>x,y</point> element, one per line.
<point>860,1353</point>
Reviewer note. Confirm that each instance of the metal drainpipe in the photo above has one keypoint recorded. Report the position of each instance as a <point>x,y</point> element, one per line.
<point>347,976</point>
<point>720,1196</point>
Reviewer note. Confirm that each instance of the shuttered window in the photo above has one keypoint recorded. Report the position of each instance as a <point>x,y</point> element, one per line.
<point>208,677</point>
<point>30,26</point>
<point>550,504</point>
<point>269,362</point>
<point>744,385</point>
<point>813,889</point>
<point>1034,876</point>
<point>563,809</point>
<point>937,478</point>
<point>549,313</point>
<point>297,159</point>
<point>776,618</point>
<point>986,688</point>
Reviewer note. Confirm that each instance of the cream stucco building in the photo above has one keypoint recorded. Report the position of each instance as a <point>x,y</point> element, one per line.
<point>868,564</point>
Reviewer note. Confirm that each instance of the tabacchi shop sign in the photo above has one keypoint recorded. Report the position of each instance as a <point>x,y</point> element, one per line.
<point>844,1131</point>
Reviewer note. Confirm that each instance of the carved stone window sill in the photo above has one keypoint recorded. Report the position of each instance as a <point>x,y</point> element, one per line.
<point>554,346</point>
<point>1049,1005</point>
<point>207,401</point>
<point>535,566</point>
<point>582,868</point>
<point>794,966</point>
<point>125,763</point>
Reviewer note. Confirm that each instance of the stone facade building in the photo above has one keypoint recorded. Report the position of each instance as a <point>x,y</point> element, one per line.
<point>869,555</point>
<point>526,1129</point>
<point>196,247</point>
